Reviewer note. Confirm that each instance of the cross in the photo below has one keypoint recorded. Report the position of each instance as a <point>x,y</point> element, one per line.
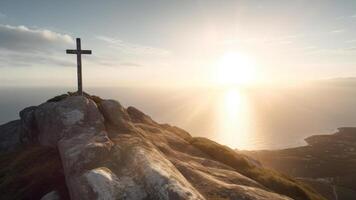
<point>79,53</point>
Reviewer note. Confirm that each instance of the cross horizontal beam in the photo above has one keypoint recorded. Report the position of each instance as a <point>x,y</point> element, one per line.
<point>75,51</point>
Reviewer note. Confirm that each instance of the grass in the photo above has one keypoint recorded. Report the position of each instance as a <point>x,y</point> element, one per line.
<point>30,173</point>
<point>58,98</point>
<point>272,180</point>
<point>61,97</point>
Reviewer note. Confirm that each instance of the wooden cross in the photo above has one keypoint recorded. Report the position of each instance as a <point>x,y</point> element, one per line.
<point>79,53</point>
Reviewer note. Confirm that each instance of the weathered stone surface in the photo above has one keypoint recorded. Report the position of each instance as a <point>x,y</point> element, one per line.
<point>10,136</point>
<point>54,195</point>
<point>178,131</point>
<point>75,114</point>
<point>115,115</point>
<point>29,125</point>
<point>84,151</point>
<point>139,159</point>
<point>76,127</point>
<point>139,117</point>
<point>109,152</point>
<point>106,185</point>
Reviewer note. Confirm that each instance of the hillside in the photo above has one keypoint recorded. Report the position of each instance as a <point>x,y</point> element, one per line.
<point>327,162</point>
<point>85,147</point>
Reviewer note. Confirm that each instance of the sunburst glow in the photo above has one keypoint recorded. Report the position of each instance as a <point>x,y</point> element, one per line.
<point>235,68</point>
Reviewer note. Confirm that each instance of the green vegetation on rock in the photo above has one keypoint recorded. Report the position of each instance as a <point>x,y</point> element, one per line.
<point>272,180</point>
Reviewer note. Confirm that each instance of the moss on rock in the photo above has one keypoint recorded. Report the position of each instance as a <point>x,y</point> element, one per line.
<point>272,180</point>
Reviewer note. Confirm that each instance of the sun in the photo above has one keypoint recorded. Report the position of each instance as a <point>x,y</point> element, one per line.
<point>236,69</point>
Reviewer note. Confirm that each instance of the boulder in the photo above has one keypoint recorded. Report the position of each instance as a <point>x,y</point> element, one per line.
<point>115,115</point>
<point>139,117</point>
<point>10,136</point>
<point>29,125</point>
<point>106,185</point>
<point>139,159</point>
<point>84,151</point>
<point>76,127</point>
<point>54,195</point>
<point>80,154</point>
<point>73,115</point>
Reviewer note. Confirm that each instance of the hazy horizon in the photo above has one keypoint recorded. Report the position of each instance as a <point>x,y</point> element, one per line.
<point>258,118</point>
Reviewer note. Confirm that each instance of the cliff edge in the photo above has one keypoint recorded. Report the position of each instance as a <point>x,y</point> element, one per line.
<point>85,147</point>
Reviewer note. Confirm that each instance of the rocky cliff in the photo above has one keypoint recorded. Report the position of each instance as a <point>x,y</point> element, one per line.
<point>85,147</point>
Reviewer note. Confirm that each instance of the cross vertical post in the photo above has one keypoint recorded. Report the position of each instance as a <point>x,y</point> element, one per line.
<point>79,68</point>
<point>79,53</point>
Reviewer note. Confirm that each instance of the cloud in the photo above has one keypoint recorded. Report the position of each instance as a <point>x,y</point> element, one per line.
<point>24,46</point>
<point>285,40</point>
<point>132,48</point>
<point>130,64</point>
<point>22,38</point>
<point>351,41</point>
<point>20,59</point>
<point>338,31</point>
<point>349,51</point>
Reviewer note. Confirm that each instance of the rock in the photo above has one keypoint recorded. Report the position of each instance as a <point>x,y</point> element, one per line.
<point>75,114</point>
<point>141,161</point>
<point>84,151</point>
<point>109,152</point>
<point>54,195</point>
<point>139,117</point>
<point>10,136</point>
<point>115,115</point>
<point>79,153</point>
<point>106,185</point>
<point>58,98</point>
<point>76,127</point>
<point>178,131</point>
<point>29,126</point>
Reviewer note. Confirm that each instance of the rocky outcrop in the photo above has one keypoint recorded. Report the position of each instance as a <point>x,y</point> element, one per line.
<point>51,196</point>
<point>138,159</point>
<point>76,127</point>
<point>67,118</point>
<point>109,152</point>
<point>115,115</point>
<point>139,117</point>
<point>10,136</point>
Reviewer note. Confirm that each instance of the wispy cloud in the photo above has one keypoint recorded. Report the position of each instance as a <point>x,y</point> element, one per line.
<point>25,46</point>
<point>22,38</point>
<point>336,31</point>
<point>348,51</point>
<point>130,64</point>
<point>351,41</point>
<point>281,40</point>
<point>132,48</point>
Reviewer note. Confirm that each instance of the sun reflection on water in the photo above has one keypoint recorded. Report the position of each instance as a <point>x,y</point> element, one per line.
<point>234,120</point>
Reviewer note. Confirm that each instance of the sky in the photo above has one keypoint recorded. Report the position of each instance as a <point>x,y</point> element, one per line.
<point>174,43</point>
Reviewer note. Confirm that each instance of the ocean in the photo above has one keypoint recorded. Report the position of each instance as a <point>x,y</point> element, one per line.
<point>248,119</point>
